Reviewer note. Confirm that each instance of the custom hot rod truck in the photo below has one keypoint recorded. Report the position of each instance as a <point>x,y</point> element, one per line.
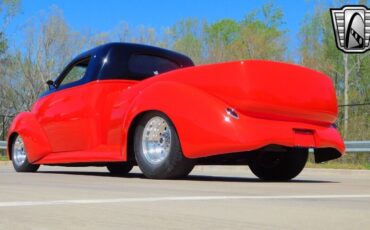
<point>121,105</point>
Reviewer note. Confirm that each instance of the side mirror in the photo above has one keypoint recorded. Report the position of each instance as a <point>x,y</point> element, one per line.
<point>51,84</point>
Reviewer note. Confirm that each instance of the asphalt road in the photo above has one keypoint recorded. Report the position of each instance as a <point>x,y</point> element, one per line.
<point>211,198</point>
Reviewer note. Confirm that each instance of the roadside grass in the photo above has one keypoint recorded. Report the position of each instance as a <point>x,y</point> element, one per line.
<point>3,158</point>
<point>348,161</point>
<point>338,165</point>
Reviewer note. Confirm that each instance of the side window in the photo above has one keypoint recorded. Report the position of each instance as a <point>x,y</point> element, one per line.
<point>143,66</point>
<point>76,72</point>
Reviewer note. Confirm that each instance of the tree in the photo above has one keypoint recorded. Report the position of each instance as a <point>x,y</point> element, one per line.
<point>219,37</point>
<point>49,44</point>
<point>8,9</point>
<point>141,34</point>
<point>188,36</point>
<point>261,36</point>
<point>318,51</point>
<point>257,36</point>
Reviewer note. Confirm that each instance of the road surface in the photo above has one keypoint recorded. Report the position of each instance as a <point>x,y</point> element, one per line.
<point>213,197</point>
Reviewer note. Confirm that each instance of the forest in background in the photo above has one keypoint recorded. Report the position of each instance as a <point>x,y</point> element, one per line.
<point>49,43</point>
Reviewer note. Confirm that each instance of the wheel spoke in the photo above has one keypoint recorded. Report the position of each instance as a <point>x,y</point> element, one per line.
<point>156,141</point>
<point>19,152</point>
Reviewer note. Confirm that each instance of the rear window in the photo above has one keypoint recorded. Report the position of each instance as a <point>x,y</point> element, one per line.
<point>144,66</point>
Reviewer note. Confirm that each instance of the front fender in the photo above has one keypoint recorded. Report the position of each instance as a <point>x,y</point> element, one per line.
<point>35,140</point>
<point>200,119</point>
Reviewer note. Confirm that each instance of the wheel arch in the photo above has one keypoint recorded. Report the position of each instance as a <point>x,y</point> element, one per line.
<point>131,131</point>
<point>190,110</point>
<point>130,135</point>
<point>35,140</point>
<point>11,139</point>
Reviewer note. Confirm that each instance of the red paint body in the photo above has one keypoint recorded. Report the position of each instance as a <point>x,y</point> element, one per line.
<point>277,103</point>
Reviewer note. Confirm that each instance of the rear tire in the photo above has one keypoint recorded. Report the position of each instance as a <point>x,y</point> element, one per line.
<point>19,157</point>
<point>274,166</point>
<point>157,148</point>
<point>119,168</point>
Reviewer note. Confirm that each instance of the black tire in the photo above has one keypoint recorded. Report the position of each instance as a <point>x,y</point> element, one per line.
<point>119,168</point>
<point>173,165</point>
<point>21,166</point>
<point>273,166</point>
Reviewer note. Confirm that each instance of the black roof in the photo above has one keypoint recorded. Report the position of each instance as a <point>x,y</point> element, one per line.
<point>109,61</point>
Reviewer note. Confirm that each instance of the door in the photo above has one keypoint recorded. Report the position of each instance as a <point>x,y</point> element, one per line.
<point>64,112</point>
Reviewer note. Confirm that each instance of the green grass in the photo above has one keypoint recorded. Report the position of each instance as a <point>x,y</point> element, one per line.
<point>336,165</point>
<point>3,158</point>
<point>348,161</point>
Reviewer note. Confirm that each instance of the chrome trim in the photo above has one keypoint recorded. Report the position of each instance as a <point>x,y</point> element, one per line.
<point>232,113</point>
<point>19,152</point>
<point>156,140</point>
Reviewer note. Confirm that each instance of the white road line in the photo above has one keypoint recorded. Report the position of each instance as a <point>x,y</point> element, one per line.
<point>179,198</point>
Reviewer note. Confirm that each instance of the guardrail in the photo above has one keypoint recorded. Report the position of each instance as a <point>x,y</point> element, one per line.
<point>351,146</point>
<point>2,144</point>
<point>357,146</point>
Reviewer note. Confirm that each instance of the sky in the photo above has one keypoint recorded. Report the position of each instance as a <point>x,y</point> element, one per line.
<point>105,15</point>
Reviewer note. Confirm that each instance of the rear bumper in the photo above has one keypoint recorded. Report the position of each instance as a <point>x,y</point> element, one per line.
<point>255,133</point>
<point>324,139</point>
<point>250,133</point>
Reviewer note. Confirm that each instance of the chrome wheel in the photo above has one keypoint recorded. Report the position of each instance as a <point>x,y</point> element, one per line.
<point>156,140</point>
<point>157,148</point>
<point>19,151</point>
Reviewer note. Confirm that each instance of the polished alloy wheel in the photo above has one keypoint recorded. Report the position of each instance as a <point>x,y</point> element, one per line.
<point>157,148</point>
<point>19,151</point>
<point>156,141</point>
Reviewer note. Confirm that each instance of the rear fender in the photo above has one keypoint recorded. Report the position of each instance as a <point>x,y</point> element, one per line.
<point>200,119</point>
<point>205,128</point>
<point>34,138</point>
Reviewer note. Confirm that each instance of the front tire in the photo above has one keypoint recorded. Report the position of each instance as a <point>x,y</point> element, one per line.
<point>157,148</point>
<point>273,166</point>
<point>19,157</point>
